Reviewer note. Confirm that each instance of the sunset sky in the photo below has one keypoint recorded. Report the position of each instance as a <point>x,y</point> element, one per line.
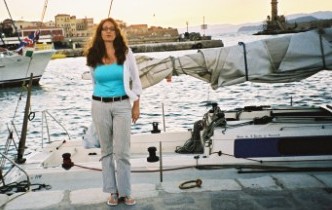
<point>166,13</point>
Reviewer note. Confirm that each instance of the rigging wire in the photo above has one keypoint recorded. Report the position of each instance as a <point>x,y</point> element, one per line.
<point>109,11</point>
<point>26,73</point>
<point>41,23</point>
<point>36,37</point>
<point>44,11</point>
<point>31,114</point>
<point>11,18</point>
<point>8,9</point>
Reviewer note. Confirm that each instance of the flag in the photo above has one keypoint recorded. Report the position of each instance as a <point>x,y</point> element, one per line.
<point>30,40</point>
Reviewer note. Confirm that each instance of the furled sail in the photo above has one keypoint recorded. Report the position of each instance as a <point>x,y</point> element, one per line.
<point>275,60</point>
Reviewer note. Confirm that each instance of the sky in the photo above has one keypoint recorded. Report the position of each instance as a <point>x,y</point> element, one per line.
<point>165,13</point>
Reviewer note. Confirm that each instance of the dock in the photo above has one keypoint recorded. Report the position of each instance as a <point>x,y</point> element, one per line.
<point>220,189</point>
<point>151,47</point>
<point>176,46</point>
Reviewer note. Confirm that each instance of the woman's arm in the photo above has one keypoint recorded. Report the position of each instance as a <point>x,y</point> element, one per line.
<point>134,74</point>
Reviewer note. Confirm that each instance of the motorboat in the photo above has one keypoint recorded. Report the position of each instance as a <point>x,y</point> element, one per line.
<point>16,66</point>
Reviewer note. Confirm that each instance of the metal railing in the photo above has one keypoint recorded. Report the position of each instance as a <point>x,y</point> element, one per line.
<point>44,117</point>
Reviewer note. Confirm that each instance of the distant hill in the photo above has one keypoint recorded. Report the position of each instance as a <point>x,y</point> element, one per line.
<point>302,19</point>
<point>319,15</point>
<point>257,26</point>
<point>292,19</point>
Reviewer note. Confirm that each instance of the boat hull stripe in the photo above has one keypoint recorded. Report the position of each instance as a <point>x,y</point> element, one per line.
<point>283,146</point>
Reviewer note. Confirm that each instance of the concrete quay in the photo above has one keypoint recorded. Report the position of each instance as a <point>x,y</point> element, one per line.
<point>154,47</point>
<point>176,46</point>
<point>268,191</point>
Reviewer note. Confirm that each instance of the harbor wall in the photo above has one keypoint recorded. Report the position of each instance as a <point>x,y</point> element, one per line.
<point>155,47</point>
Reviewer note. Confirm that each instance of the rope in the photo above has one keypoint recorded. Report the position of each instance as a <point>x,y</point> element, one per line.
<point>27,70</point>
<point>173,65</point>
<point>229,155</point>
<point>208,132</point>
<point>18,101</point>
<point>109,11</point>
<point>3,41</point>
<point>10,15</point>
<point>22,186</point>
<point>322,49</point>
<point>245,59</point>
<point>181,66</point>
<point>44,11</point>
<point>36,37</point>
<point>90,168</point>
<point>197,183</point>
<point>194,144</point>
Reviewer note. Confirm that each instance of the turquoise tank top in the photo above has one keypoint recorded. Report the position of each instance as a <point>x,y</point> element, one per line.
<point>108,80</point>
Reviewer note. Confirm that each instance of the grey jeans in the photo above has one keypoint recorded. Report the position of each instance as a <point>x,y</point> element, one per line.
<point>113,124</point>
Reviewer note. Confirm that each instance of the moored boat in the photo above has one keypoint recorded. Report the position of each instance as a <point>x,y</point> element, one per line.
<point>23,56</point>
<point>256,138</point>
<point>16,66</point>
<point>58,55</point>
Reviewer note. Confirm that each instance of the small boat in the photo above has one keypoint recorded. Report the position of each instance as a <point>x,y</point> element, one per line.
<point>23,56</point>
<point>58,55</point>
<point>16,66</point>
<point>263,138</point>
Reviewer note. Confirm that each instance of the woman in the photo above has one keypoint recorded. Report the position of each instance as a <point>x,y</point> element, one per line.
<point>113,67</point>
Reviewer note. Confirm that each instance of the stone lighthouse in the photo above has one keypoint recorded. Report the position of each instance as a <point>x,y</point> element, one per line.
<point>274,10</point>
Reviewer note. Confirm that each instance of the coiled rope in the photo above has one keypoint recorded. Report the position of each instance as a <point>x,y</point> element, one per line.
<point>22,186</point>
<point>185,185</point>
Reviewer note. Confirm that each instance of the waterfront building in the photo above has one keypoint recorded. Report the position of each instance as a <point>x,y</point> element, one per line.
<point>68,31</point>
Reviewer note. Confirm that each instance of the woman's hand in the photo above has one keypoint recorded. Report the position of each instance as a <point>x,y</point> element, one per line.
<point>135,112</point>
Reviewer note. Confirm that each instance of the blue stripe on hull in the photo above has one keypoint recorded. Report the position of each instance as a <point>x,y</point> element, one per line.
<point>283,146</point>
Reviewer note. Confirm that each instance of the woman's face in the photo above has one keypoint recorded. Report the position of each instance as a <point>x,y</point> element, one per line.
<point>108,33</point>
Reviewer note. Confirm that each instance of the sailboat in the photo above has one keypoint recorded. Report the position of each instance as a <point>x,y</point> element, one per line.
<point>279,138</point>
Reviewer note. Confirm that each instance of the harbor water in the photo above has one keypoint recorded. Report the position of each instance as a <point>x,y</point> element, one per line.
<point>65,99</point>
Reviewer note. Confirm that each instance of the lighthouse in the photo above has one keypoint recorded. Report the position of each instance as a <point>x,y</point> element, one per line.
<point>274,10</point>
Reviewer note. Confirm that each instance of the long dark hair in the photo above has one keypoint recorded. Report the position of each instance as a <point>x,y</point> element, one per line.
<point>95,50</point>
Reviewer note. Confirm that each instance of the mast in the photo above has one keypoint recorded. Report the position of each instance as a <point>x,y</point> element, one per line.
<point>21,146</point>
<point>204,26</point>
<point>187,26</point>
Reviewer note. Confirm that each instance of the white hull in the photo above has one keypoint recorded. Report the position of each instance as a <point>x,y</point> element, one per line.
<point>15,68</point>
<point>288,126</point>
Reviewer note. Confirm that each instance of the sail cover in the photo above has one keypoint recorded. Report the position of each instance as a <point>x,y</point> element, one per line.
<point>282,59</point>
